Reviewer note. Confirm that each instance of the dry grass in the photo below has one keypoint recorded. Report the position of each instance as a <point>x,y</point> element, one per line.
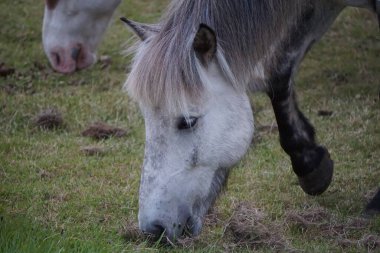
<point>131,233</point>
<point>93,150</point>
<point>250,228</point>
<point>319,222</point>
<point>101,130</point>
<point>49,119</point>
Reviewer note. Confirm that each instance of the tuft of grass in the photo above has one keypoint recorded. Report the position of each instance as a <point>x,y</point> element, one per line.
<point>49,119</point>
<point>20,235</point>
<point>62,192</point>
<point>249,229</point>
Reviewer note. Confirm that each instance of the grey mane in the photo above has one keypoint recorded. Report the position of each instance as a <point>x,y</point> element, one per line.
<point>166,69</point>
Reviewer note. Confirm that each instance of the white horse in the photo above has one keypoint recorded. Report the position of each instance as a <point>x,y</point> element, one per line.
<point>72,31</point>
<point>191,75</point>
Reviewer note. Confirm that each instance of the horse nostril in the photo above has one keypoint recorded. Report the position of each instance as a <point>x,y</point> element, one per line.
<point>56,59</point>
<point>155,230</point>
<point>75,52</point>
<point>159,230</point>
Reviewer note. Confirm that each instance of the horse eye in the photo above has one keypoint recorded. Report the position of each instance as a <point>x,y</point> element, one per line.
<point>186,123</point>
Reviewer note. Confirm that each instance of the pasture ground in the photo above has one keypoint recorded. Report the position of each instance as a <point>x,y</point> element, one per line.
<point>56,197</point>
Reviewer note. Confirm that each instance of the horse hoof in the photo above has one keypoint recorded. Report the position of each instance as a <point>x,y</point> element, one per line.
<point>373,207</point>
<point>317,181</point>
<point>370,213</point>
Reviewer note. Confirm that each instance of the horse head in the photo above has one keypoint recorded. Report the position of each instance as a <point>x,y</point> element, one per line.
<point>72,31</point>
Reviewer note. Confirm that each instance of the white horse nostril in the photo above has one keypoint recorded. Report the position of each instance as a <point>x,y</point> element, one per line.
<point>159,230</point>
<point>56,59</point>
<point>156,229</point>
<point>61,61</point>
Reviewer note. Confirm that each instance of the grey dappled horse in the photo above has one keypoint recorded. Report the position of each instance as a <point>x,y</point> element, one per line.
<point>191,75</point>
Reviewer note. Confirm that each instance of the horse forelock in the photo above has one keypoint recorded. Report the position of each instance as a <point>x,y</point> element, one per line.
<point>166,70</point>
<point>166,73</point>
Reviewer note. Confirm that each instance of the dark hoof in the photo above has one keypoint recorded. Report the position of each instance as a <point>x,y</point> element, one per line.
<point>373,207</point>
<point>370,213</point>
<point>317,181</point>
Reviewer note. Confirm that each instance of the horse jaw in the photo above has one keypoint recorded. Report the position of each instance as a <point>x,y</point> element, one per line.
<point>184,170</point>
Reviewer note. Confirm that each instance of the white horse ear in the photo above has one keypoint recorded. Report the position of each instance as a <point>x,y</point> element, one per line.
<point>144,31</point>
<point>205,43</point>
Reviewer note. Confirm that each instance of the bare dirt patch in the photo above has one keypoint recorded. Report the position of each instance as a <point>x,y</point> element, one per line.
<point>101,130</point>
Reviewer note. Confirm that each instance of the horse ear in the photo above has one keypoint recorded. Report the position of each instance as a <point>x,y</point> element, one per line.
<point>205,43</point>
<point>144,31</point>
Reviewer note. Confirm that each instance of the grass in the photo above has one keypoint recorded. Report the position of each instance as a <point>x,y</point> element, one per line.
<point>53,198</point>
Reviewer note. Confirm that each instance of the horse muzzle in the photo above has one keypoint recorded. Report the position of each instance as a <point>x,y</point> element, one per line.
<point>168,225</point>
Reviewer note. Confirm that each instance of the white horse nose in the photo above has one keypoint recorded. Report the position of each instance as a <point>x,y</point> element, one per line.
<point>62,61</point>
<point>163,225</point>
<point>70,59</point>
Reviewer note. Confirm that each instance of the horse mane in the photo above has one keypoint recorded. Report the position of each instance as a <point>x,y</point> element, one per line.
<point>165,69</point>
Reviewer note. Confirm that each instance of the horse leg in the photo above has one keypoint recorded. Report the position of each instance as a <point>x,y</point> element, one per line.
<point>310,161</point>
<point>373,206</point>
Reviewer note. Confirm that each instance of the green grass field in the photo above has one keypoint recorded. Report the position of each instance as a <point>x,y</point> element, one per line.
<point>54,198</point>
